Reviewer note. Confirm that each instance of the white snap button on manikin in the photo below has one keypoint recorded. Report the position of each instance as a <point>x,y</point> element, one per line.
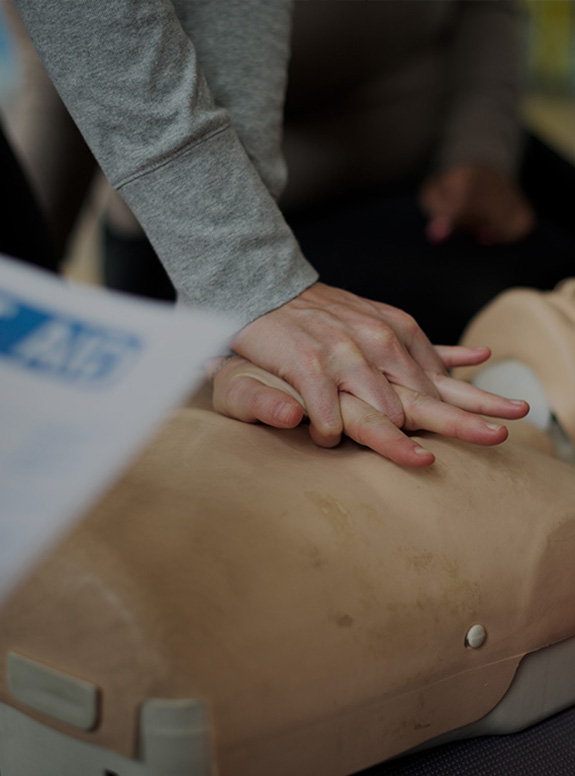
<point>475,637</point>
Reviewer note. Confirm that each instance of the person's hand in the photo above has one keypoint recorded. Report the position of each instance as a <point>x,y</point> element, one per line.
<point>479,199</point>
<point>249,393</point>
<point>327,342</point>
<point>329,345</point>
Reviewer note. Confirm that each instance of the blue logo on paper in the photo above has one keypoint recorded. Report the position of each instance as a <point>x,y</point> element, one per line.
<point>62,347</point>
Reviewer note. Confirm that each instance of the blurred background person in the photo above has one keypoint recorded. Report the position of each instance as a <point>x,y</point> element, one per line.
<point>411,178</point>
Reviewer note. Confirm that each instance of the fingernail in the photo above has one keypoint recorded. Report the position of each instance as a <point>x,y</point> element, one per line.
<point>518,401</point>
<point>283,412</point>
<point>421,450</point>
<point>493,426</point>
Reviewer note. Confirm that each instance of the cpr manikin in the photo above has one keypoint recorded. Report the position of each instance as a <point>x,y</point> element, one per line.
<point>245,603</point>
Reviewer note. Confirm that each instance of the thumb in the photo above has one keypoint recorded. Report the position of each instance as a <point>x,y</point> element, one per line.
<point>439,229</point>
<point>442,200</point>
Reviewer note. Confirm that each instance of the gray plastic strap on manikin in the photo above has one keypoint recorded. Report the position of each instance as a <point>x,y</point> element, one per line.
<point>175,738</point>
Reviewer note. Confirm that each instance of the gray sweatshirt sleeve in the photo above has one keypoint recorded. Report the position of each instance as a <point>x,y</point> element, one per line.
<point>131,78</point>
<point>485,67</point>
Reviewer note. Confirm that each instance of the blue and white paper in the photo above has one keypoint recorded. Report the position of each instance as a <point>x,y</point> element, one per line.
<point>86,376</point>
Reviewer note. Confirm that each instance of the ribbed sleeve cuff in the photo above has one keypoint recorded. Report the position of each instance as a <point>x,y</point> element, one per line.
<point>218,231</point>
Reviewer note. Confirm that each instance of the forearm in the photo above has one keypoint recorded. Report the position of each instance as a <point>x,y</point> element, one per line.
<point>131,78</point>
<point>239,256</point>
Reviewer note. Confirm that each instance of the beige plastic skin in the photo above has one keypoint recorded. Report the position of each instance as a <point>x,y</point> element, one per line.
<point>317,600</point>
<point>537,329</point>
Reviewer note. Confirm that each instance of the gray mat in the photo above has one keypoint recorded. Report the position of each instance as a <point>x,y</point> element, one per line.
<point>546,749</point>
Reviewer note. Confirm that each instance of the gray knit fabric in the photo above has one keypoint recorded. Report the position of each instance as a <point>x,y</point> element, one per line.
<point>484,77</point>
<point>130,75</point>
<point>386,91</point>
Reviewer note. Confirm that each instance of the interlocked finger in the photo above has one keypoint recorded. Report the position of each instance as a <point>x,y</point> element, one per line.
<point>472,399</point>
<point>458,355</point>
<point>375,430</point>
<point>252,395</point>
<point>424,412</point>
<point>413,339</point>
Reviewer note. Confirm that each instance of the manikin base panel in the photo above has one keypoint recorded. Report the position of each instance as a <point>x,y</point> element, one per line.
<point>175,737</point>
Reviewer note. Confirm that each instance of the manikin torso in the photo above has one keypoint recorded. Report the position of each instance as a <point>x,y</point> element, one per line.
<point>318,603</point>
